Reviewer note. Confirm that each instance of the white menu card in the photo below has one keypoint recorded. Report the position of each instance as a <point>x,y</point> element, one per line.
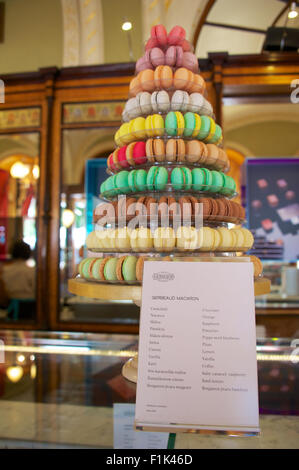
<point>197,366</point>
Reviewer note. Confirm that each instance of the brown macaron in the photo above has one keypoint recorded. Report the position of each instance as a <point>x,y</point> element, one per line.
<point>242,212</point>
<point>139,268</point>
<point>213,155</point>
<point>214,210</point>
<point>149,150</point>
<point>195,206</point>
<point>102,266</point>
<point>159,150</point>
<point>236,213</point>
<point>175,150</point>
<point>221,209</point>
<point>90,267</point>
<point>151,206</point>
<point>129,153</point>
<point>130,207</point>
<point>185,206</point>
<point>119,265</point>
<point>140,208</point>
<point>207,206</point>
<point>194,150</point>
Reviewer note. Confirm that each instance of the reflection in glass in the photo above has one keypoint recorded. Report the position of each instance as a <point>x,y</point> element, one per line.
<point>79,146</point>
<point>19,175</point>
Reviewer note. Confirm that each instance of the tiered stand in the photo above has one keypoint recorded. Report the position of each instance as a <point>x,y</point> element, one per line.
<point>168,145</point>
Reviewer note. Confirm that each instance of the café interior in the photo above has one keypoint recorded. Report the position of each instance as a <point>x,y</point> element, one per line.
<point>65,69</point>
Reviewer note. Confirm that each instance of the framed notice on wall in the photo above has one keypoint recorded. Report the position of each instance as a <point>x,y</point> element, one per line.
<point>272,202</point>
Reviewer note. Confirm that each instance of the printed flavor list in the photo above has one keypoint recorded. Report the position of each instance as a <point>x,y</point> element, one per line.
<point>197,348</point>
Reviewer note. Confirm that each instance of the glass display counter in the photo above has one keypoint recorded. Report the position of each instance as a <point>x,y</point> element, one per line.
<point>58,390</point>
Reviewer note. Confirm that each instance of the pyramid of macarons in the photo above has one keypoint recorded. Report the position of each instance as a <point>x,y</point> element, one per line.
<point>168,162</point>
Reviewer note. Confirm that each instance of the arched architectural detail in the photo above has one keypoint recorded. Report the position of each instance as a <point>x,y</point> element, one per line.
<point>83,41</point>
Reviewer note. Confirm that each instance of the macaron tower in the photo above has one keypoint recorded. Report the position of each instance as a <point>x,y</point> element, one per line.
<point>167,194</point>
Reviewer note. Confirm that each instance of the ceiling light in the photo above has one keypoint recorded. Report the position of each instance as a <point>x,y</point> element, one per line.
<point>19,170</point>
<point>35,172</point>
<point>68,218</point>
<point>293,13</point>
<point>14,373</point>
<point>126,26</point>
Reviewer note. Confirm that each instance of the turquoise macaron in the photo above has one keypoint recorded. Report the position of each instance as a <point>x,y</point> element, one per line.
<point>205,126</point>
<point>132,181</point>
<point>140,180</point>
<point>171,123</point>
<point>217,181</point>
<point>157,178</point>
<point>208,179</point>
<point>103,187</point>
<point>128,268</point>
<point>190,122</point>
<point>110,269</point>
<point>217,135</point>
<point>121,182</point>
<point>181,178</point>
<point>198,179</point>
<point>110,185</point>
<point>229,186</point>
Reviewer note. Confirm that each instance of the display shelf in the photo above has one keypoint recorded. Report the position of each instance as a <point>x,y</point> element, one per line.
<point>105,291</point>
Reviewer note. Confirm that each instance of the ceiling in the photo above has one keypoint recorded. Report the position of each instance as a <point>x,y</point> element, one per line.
<point>239,27</point>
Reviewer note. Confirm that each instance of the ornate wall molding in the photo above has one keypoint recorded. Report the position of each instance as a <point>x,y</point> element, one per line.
<point>83,41</point>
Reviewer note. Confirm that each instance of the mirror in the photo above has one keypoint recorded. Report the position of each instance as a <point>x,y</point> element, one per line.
<point>79,146</point>
<point>19,176</point>
<point>268,131</point>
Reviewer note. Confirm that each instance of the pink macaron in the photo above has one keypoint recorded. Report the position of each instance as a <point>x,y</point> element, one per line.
<point>176,36</point>
<point>139,153</point>
<point>190,62</point>
<point>157,56</point>
<point>144,62</point>
<point>174,56</point>
<point>122,160</point>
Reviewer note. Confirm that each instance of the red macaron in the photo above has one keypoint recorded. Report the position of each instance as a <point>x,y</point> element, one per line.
<point>122,160</point>
<point>159,34</point>
<point>176,36</point>
<point>139,153</point>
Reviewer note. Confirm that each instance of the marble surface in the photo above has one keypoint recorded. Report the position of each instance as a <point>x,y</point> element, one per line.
<point>62,426</point>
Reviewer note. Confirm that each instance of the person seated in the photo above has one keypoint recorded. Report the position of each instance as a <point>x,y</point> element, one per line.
<point>18,283</point>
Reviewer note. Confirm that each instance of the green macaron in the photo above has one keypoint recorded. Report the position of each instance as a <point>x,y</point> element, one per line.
<point>198,179</point>
<point>171,123</point>
<point>132,181</point>
<point>181,178</point>
<point>110,185</point>
<point>217,181</point>
<point>110,269</point>
<point>229,186</point>
<point>217,135</point>
<point>190,122</point>
<point>95,270</point>
<point>157,178</point>
<point>103,187</point>
<point>208,179</point>
<point>140,180</point>
<point>121,182</point>
<point>85,268</point>
<point>205,126</point>
<point>129,268</point>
